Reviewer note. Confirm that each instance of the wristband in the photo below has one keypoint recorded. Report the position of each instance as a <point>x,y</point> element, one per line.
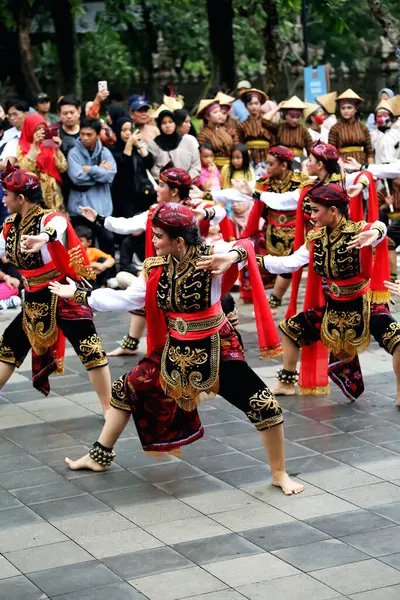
<point>81,297</point>
<point>377,227</point>
<point>209,214</point>
<point>241,252</point>
<point>256,195</point>
<point>51,232</point>
<point>99,220</point>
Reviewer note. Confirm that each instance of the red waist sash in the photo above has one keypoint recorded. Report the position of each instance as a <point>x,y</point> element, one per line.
<point>284,218</point>
<point>348,289</point>
<point>38,279</point>
<point>198,325</point>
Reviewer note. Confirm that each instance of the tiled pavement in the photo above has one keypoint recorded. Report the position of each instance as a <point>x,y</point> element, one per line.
<point>208,525</point>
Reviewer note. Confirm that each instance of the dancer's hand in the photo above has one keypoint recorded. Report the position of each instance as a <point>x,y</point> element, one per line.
<point>217,263</point>
<point>349,164</point>
<point>242,186</point>
<point>196,193</point>
<point>363,239</point>
<point>63,291</point>
<point>354,190</point>
<point>33,243</point>
<point>394,288</point>
<point>12,282</point>
<point>89,213</point>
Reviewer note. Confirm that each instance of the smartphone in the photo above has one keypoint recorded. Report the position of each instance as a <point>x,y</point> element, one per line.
<point>51,131</point>
<point>102,86</point>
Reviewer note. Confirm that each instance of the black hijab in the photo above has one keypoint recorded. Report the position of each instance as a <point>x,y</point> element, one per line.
<point>167,142</point>
<point>119,144</point>
<point>116,111</point>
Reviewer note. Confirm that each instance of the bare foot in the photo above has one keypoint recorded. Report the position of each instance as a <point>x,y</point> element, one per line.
<point>122,352</point>
<point>284,389</point>
<point>288,486</point>
<point>84,463</point>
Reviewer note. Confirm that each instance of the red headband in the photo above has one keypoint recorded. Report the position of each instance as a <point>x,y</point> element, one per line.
<point>323,151</point>
<point>330,194</point>
<point>174,216</point>
<point>211,108</point>
<point>18,180</point>
<point>176,177</point>
<point>281,152</point>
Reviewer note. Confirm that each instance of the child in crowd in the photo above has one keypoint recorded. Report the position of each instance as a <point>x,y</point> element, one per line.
<point>209,176</point>
<point>10,284</point>
<point>214,235</point>
<point>99,260</point>
<point>238,168</point>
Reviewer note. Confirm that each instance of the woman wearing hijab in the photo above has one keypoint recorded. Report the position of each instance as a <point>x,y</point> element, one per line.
<point>383,94</point>
<point>132,192</point>
<point>44,158</point>
<point>184,123</point>
<point>170,147</point>
<point>115,112</point>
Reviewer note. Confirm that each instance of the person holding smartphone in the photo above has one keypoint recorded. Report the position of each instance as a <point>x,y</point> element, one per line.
<point>41,155</point>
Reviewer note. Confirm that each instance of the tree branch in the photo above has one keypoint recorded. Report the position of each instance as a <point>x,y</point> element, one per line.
<point>389,25</point>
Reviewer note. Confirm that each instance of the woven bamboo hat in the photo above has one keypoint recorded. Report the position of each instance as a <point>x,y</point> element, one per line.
<point>204,104</point>
<point>263,95</point>
<point>310,109</point>
<point>350,95</point>
<point>394,104</point>
<point>173,102</point>
<point>384,105</point>
<point>295,103</point>
<point>224,99</point>
<point>328,102</point>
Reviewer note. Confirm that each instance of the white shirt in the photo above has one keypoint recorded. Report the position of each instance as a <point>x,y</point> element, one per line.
<point>58,223</point>
<point>134,297</point>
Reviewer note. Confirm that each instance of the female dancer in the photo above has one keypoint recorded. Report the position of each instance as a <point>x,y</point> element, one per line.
<point>192,349</point>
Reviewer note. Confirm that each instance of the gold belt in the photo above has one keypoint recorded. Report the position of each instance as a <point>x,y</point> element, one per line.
<point>39,279</point>
<point>351,149</point>
<point>220,161</point>
<point>258,144</point>
<point>182,326</point>
<point>347,290</point>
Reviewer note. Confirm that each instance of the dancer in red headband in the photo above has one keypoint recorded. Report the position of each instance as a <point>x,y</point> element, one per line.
<point>42,245</point>
<point>192,350</point>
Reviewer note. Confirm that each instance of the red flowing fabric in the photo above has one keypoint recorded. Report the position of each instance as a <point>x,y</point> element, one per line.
<point>268,337</point>
<point>299,239</point>
<point>253,222</point>
<point>71,260</point>
<point>149,247</point>
<point>45,161</point>
<point>381,265</point>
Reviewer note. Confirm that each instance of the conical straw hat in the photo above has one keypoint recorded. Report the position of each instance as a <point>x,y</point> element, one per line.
<point>224,99</point>
<point>294,102</point>
<point>350,95</point>
<point>394,104</point>
<point>384,104</point>
<point>204,104</point>
<point>263,95</point>
<point>173,103</point>
<point>328,102</point>
<point>310,109</point>
<point>159,110</point>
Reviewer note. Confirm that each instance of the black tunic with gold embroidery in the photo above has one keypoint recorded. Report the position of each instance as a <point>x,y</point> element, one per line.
<point>37,327</point>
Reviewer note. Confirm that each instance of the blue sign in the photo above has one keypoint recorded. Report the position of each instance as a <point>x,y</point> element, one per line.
<point>314,82</point>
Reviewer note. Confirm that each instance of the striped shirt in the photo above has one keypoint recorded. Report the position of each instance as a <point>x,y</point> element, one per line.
<point>219,138</point>
<point>345,134</point>
<point>255,128</point>
<point>291,137</point>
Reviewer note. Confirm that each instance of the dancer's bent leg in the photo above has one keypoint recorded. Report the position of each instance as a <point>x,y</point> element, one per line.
<point>243,388</point>
<point>130,342</point>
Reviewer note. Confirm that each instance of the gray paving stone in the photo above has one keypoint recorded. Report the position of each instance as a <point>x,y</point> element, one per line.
<point>389,511</point>
<point>354,423</point>
<point>147,562</point>
<point>16,517</point>
<point>387,593</point>
<point>72,578</point>
<point>227,429</point>
<point>307,430</point>
<point>7,500</point>
<point>376,543</point>
<point>56,457</point>
<point>47,557</point>
<point>292,450</point>
<point>310,464</point>
<point>216,416</point>
<point>20,588</point>
<point>385,433</point>
<point>393,560</point>
<point>102,482</point>
<point>225,462</point>
<point>365,454</point>
<point>284,535</point>
<point>21,434</point>
<point>331,443</point>
<point>7,448</point>
<point>18,463</point>
<point>45,493</point>
<point>138,494</point>
<point>29,477</point>
<point>320,555</point>
<point>69,507</point>
<point>167,472</point>
<point>193,485</point>
<point>332,411</point>
<point>358,577</point>
<point>371,495</point>
<point>245,476</point>
<point>116,591</point>
<point>349,523</point>
<point>296,587</point>
<point>29,536</point>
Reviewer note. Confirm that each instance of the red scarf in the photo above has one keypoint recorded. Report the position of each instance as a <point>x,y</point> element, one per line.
<point>268,337</point>
<point>45,160</point>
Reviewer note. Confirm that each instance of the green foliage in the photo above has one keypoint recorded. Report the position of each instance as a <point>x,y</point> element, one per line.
<point>47,64</point>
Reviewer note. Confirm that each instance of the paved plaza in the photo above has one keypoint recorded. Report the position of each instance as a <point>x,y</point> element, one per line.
<point>207,525</point>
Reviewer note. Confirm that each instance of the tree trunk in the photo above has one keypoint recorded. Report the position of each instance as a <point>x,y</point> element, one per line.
<point>273,46</point>
<point>220,23</point>
<point>67,45</point>
<point>24,18</point>
<point>389,25</point>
